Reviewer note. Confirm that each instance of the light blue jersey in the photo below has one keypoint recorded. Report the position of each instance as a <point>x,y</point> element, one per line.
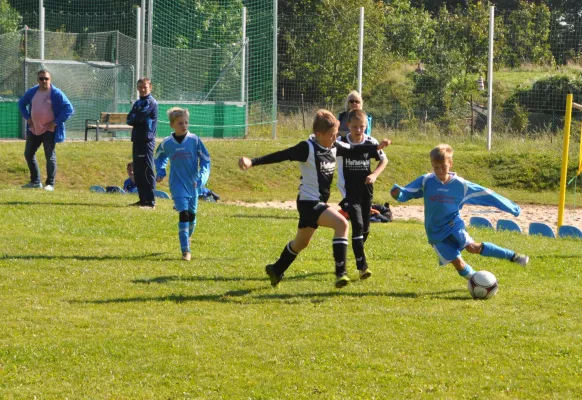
<point>443,201</point>
<point>190,164</point>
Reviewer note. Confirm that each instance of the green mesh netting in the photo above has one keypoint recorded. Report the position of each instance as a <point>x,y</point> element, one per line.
<point>192,50</point>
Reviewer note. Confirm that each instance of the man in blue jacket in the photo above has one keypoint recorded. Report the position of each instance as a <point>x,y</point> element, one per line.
<point>144,119</point>
<point>45,108</point>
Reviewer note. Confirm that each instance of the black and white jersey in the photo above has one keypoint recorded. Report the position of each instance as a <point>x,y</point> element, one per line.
<point>354,167</point>
<point>317,165</point>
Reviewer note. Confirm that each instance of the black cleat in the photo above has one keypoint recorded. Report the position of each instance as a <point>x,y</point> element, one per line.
<point>273,276</point>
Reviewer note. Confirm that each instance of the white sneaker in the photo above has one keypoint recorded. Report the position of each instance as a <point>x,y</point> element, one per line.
<point>49,188</point>
<point>521,259</point>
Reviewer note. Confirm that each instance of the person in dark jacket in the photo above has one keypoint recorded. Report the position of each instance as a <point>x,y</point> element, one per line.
<point>45,109</point>
<point>144,119</point>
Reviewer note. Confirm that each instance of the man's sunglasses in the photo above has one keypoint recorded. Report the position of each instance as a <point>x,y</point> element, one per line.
<point>43,79</point>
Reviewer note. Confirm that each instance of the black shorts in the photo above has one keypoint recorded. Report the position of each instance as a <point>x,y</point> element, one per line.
<point>309,212</point>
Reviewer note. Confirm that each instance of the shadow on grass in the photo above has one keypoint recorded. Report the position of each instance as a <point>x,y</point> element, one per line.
<point>175,278</point>
<point>176,298</point>
<point>84,258</point>
<point>42,203</point>
<point>263,216</point>
<point>234,296</point>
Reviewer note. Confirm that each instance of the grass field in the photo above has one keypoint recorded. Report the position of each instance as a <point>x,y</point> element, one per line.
<point>97,304</point>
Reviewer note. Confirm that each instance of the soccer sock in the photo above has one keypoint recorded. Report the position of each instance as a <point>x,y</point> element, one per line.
<point>183,236</point>
<point>192,225</point>
<point>285,260</point>
<point>340,250</point>
<point>492,250</point>
<point>358,248</point>
<point>467,272</point>
<point>366,234</point>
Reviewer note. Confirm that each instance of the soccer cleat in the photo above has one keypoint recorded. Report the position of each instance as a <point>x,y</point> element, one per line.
<point>365,274</point>
<point>521,259</point>
<point>32,185</point>
<point>186,256</point>
<point>148,206</point>
<point>136,204</point>
<point>49,188</point>
<point>273,276</point>
<point>342,281</point>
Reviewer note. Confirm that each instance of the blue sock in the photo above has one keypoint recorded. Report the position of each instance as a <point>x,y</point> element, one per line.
<point>467,272</point>
<point>183,235</point>
<point>191,228</point>
<point>492,250</point>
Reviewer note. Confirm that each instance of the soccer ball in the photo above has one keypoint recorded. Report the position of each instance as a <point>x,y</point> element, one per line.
<point>482,285</point>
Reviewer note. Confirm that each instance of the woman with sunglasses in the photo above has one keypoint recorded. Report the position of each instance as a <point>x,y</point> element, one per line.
<point>353,102</point>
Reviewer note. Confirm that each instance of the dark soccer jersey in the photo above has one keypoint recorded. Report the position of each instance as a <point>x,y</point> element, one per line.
<point>354,167</point>
<point>317,164</point>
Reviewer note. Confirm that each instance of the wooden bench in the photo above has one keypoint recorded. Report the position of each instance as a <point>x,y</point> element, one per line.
<point>109,122</point>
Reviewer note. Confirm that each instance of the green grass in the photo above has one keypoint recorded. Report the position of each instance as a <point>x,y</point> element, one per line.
<point>527,171</point>
<point>96,303</point>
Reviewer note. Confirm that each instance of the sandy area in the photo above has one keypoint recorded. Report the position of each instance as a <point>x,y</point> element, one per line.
<point>529,213</point>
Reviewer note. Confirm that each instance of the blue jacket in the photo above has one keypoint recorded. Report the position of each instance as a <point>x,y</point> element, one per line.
<point>62,109</point>
<point>144,119</point>
<point>443,201</point>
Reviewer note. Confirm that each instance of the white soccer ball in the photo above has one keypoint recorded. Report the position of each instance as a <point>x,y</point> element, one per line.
<point>482,285</point>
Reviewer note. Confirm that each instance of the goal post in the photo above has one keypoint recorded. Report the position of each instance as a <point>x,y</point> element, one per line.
<point>570,105</point>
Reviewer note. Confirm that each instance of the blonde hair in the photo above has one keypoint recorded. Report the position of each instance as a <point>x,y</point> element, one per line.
<point>324,121</point>
<point>354,94</point>
<point>176,112</point>
<point>358,114</point>
<point>443,152</point>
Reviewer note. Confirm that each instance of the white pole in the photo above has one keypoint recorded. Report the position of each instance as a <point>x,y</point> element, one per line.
<point>243,55</point>
<point>361,51</point>
<point>137,45</point>
<point>243,69</point>
<point>150,39</point>
<point>490,77</point>
<point>274,111</point>
<point>41,27</point>
<point>143,38</point>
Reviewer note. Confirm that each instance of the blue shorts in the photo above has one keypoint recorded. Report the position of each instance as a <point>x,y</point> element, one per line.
<point>186,204</point>
<point>450,247</point>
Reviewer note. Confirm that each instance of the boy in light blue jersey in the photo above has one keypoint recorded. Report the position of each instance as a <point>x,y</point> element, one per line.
<point>444,195</point>
<point>190,168</point>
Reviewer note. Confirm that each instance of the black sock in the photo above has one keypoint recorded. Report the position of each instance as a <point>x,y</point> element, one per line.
<point>366,234</point>
<point>340,249</point>
<point>285,260</point>
<point>358,247</point>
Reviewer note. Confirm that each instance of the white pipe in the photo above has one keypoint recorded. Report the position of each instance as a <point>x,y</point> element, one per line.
<point>274,111</point>
<point>143,38</point>
<point>150,39</point>
<point>490,77</point>
<point>243,55</point>
<point>361,51</point>
<point>41,27</point>
<point>137,46</point>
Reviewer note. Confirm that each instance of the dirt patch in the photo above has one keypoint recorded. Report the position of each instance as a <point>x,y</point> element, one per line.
<point>529,213</point>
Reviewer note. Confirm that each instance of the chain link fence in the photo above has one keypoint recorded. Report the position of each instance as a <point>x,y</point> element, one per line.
<point>422,71</point>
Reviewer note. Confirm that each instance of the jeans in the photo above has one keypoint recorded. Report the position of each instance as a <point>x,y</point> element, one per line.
<point>33,142</point>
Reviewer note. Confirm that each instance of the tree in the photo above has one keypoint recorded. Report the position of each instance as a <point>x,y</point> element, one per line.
<point>318,50</point>
<point>10,18</point>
